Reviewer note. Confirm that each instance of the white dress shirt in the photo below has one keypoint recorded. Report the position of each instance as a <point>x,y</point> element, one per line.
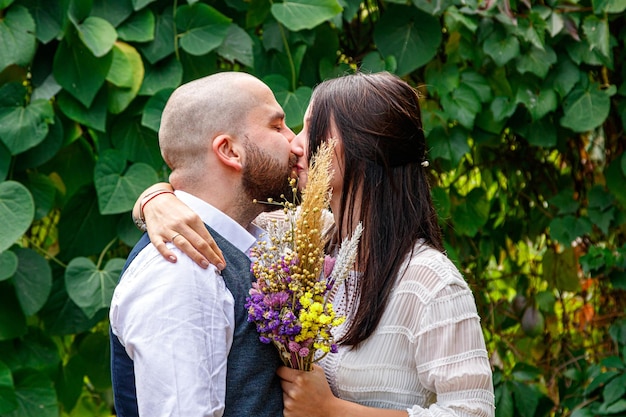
<point>176,322</point>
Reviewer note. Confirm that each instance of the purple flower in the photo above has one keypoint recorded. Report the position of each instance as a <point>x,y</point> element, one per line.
<point>329,264</point>
<point>303,352</point>
<point>278,299</point>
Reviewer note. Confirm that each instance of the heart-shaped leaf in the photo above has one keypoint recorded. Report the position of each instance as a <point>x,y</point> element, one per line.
<point>137,143</point>
<point>17,37</point>
<point>585,109</point>
<point>49,18</point>
<point>33,280</point>
<point>166,74</point>
<point>442,78</point>
<point>8,264</point>
<point>237,46</point>
<point>373,62</point>
<point>410,35</point>
<point>151,115</point>
<point>501,47</point>
<point>35,394</point>
<point>462,105</point>
<point>22,126</point>
<point>448,144</point>
<point>294,104</point>
<point>541,103</point>
<point>567,229</point>
<point>38,351</point>
<point>17,211</point>
<point>531,29</point>
<point>94,116</point>
<point>478,83</point>
<point>139,28</point>
<point>126,72</point>
<point>97,34</point>
<point>89,287</point>
<point>202,28</point>
<point>598,34</point>
<point>536,61</point>
<point>61,316</point>
<point>79,71</point>
<point>117,187</point>
<point>565,202</point>
<point>502,107</point>
<point>114,12</point>
<point>305,14</point>
<point>163,43</point>
<point>472,214</point>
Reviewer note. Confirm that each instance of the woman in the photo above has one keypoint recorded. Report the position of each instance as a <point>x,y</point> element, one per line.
<point>412,342</point>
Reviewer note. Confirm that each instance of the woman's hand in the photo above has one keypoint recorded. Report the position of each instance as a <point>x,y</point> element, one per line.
<point>306,394</point>
<point>170,220</point>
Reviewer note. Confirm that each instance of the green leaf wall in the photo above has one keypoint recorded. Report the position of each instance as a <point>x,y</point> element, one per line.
<point>524,109</point>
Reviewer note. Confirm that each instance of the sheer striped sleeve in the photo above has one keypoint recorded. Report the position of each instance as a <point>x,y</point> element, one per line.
<point>449,346</point>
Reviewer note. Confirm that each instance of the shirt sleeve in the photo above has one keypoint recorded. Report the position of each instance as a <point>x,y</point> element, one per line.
<point>450,353</point>
<point>176,323</point>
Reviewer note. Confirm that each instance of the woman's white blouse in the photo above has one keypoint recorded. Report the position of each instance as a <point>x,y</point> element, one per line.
<point>428,353</point>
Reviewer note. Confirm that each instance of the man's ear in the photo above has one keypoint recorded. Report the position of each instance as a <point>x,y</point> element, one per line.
<point>228,151</point>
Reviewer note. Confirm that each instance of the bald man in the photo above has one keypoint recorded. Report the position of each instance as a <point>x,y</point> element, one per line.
<point>181,344</point>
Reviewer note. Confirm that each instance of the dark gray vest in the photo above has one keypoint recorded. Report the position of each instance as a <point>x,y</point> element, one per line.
<point>252,387</point>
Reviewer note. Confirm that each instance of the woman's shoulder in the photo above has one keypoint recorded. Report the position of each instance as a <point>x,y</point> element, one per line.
<point>267,219</point>
<point>431,271</point>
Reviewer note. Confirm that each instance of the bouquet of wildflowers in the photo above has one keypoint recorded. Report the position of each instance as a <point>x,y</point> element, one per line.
<point>289,302</point>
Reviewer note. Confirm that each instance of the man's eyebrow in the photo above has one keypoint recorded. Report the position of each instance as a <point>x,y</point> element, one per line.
<point>279,115</point>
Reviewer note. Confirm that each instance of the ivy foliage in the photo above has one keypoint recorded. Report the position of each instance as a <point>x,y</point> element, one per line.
<point>524,112</point>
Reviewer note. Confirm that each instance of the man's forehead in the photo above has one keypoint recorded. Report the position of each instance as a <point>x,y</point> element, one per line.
<point>268,111</point>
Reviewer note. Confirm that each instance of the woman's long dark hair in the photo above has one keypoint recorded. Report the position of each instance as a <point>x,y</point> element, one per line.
<point>377,117</point>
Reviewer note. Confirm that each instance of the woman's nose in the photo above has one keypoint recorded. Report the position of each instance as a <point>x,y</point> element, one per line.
<point>297,144</point>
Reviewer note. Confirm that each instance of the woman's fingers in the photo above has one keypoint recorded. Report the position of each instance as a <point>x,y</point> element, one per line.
<point>203,245</point>
<point>199,249</point>
<point>169,220</point>
<point>164,250</point>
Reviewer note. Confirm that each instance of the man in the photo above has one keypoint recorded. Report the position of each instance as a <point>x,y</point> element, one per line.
<point>181,343</point>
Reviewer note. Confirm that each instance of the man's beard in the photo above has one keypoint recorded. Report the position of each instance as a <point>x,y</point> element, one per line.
<point>264,177</point>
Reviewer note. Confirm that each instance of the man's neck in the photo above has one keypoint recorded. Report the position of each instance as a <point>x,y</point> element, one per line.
<point>243,212</point>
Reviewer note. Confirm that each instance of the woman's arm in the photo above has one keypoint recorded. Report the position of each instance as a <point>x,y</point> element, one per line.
<point>167,219</point>
<point>307,394</point>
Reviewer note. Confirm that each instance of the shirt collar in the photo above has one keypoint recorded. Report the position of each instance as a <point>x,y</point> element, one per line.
<point>242,238</point>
